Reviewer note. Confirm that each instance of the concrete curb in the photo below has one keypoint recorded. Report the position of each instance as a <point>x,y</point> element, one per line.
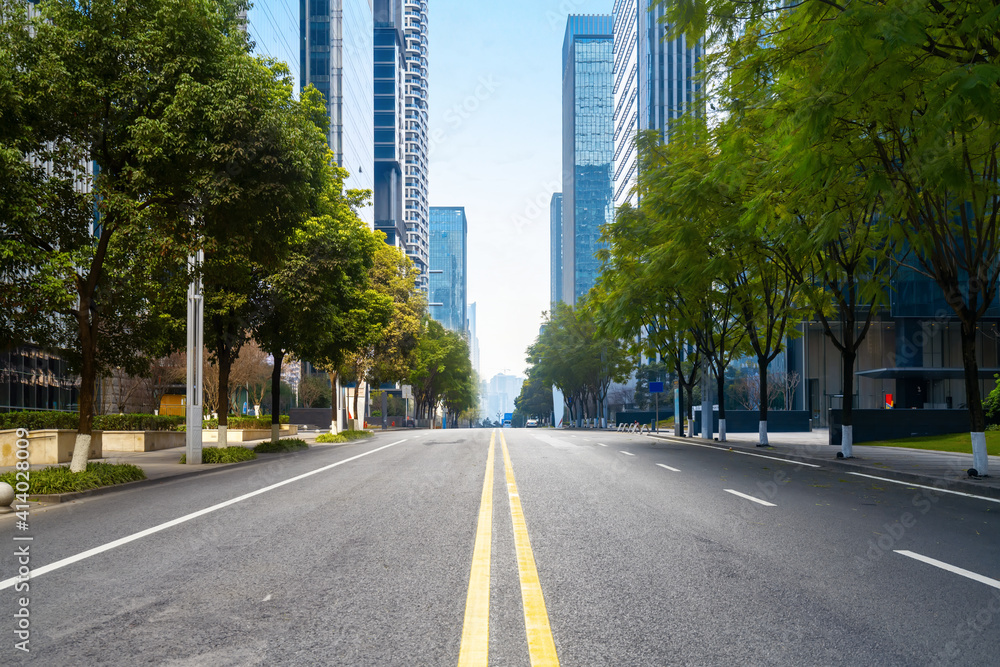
<point>847,465</point>
<point>56,498</point>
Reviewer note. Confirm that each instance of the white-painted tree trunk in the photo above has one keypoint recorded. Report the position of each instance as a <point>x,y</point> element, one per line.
<point>275,432</point>
<point>256,411</point>
<point>223,436</point>
<point>762,432</point>
<point>722,430</point>
<point>81,451</point>
<point>847,441</point>
<point>980,461</point>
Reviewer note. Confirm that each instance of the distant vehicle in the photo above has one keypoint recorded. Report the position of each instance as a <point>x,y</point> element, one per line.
<point>506,423</point>
<point>531,423</point>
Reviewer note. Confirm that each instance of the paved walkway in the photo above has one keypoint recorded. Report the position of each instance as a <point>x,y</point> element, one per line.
<point>921,466</point>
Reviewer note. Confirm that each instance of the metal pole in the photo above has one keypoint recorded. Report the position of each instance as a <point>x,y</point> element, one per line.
<point>195,362</point>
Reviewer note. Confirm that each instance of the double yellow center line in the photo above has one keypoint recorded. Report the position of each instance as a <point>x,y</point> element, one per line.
<point>476,631</point>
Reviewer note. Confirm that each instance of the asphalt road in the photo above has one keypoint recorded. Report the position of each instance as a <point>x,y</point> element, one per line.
<point>643,552</point>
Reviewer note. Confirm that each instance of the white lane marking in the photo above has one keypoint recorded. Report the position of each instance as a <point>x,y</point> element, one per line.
<point>266,598</point>
<point>951,568</point>
<point>756,500</point>
<point>7,583</point>
<point>668,467</point>
<point>921,486</point>
<point>760,456</point>
<point>602,444</point>
<point>627,453</point>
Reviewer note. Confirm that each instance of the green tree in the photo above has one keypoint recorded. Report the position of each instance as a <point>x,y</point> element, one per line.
<point>129,91</point>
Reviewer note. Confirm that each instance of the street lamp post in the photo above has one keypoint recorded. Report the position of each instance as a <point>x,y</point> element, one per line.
<point>195,361</point>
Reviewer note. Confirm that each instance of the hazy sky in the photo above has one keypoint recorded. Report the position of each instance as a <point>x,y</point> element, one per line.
<point>496,139</point>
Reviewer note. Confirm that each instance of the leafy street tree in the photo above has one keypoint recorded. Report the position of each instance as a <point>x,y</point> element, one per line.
<point>442,372</point>
<point>535,399</point>
<point>387,358</point>
<point>129,91</point>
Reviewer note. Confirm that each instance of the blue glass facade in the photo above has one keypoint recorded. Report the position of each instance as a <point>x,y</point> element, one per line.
<point>389,79</point>
<point>273,26</point>
<point>336,58</point>
<point>655,84</point>
<point>588,148</point>
<point>555,247</point>
<point>448,279</point>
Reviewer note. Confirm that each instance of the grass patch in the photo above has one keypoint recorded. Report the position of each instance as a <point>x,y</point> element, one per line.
<point>330,437</point>
<point>954,442</point>
<point>285,445</point>
<point>59,479</point>
<point>224,455</point>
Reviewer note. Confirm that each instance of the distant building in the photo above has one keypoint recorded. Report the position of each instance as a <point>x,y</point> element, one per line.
<point>474,338</point>
<point>336,57</point>
<point>500,393</point>
<point>416,146</point>
<point>655,84</point>
<point>588,148</point>
<point>448,285</point>
<point>555,247</point>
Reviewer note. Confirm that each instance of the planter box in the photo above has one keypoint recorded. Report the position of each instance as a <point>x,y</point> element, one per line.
<point>141,441</point>
<point>873,425</point>
<point>47,446</point>
<point>235,435</point>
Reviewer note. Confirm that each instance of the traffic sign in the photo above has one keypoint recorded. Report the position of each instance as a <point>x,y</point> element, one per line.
<point>655,387</point>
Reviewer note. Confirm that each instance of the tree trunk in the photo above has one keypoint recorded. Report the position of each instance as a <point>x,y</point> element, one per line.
<point>720,390</point>
<point>357,388</point>
<point>973,398</point>
<point>762,371</point>
<point>88,379</point>
<point>225,363</point>
<point>334,416</point>
<point>279,357</point>
<point>847,356</point>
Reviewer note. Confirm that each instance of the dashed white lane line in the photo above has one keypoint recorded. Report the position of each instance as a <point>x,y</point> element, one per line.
<point>627,453</point>
<point>7,583</point>
<point>951,568</point>
<point>922,486</point>
<point>756,500</point>
<point>759,456</point>
<point>668,467</point>
<point>602,444</point>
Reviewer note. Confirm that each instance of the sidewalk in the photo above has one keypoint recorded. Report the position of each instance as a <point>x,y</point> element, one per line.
<point>944,470</point>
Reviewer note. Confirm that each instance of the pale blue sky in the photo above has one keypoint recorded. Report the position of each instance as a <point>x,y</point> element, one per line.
<point>496,122</point>
<point>495,96</point>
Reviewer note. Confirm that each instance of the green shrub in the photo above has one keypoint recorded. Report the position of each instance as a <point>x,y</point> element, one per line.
<point>330,437</point>
<point>59,479</point>
<point>991,404</point>
<point>36,421</point>
<point>224,455</point>
<point>137,422</point>
<point>357,435</point>
<point>237,422</point>
<point>284,445</point>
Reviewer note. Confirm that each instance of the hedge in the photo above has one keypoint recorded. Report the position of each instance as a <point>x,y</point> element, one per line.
<point>224,455</point>
<point>35,421</point>
<point>283,445</point>
<point>59,479</point>
<point>259,423</point>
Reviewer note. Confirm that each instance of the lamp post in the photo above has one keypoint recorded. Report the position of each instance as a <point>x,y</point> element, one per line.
<point>195,361</point>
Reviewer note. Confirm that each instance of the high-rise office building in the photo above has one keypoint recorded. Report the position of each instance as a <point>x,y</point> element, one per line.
<point>415,167</point>
<point>336,38</point>
<point>448,284</point>
<point>555,247</point>
<point>655,84</point>
<point>588,143</point>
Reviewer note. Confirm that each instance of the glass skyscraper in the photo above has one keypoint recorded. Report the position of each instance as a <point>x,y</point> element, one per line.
<point>555,247</point>
<point>654,84</point>
<point>390,72</point>
<point>588,146</point>
<point>448,289</point>
<point>336,38</point>
<point>274,28</point>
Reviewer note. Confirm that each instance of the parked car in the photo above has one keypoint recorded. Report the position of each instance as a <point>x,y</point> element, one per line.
<point>531,423</point>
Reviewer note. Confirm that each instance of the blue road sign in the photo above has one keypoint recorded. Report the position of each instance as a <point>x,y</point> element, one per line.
<point>655,387</point>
